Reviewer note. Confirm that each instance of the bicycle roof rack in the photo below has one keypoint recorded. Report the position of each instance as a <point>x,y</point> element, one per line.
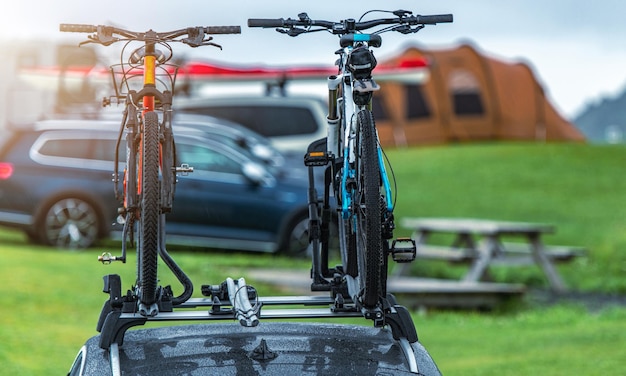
<point>119,313</point>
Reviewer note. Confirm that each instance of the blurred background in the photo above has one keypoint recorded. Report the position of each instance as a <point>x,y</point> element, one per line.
<point>569,45</point>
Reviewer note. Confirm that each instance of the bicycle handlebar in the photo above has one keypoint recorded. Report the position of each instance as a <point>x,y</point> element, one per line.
<point>106,34</point>
<point>350,25</point>
<point>81,28</point>
<point>266,22</point>
<point>434,19</point>
<point>78,28</point>
<point>222,29</point>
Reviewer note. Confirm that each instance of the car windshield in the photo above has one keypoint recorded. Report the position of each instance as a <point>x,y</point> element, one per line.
<point>252,147</point>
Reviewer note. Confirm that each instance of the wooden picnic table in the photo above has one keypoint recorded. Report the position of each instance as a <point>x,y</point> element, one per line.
<point>481,243</point>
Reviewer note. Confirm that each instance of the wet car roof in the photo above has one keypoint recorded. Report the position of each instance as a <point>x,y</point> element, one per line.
<point>272,348</point>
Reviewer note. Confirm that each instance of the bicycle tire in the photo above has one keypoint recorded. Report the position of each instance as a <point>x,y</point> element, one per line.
<point>150,209</point>
<point>368,211</point>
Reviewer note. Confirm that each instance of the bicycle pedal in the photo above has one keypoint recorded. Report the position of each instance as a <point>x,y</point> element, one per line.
<point>184,169</point>
<point>316,158</point>
<point>403,250</point>
<point>107,258</point>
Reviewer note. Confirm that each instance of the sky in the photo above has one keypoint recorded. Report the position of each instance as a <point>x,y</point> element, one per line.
<point>576,48</point>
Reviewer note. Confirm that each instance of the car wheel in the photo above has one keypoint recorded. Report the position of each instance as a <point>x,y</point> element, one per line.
<point>69,223</point>
<point>297,243</point>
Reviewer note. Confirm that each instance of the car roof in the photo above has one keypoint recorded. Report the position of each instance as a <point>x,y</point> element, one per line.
<point>190,120</point>
<point>190,129</point>
<point>271,348</point>
<point>77,124</point>
<point>113,121</point>
<point>247,100</point>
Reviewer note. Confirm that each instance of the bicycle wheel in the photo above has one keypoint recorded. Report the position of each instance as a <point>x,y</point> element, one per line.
<point>367,212</point>
<point>150,209</point>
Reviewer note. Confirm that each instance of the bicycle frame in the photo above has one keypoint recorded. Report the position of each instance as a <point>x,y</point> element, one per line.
<point>150,173</point>
<point>138,105</point>
<point>357,171</point>
<point>341,141</point>
<point>146,101</point>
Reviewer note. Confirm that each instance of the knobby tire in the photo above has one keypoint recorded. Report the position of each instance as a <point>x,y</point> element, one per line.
<point>368,211</point>
<point>150,209</point>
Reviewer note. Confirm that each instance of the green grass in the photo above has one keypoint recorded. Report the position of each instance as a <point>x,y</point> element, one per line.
<point>581,189</point>
<point>559,340</point>
<point>51,299</point>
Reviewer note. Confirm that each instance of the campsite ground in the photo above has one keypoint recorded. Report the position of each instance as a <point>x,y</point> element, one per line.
<point>52,298</point>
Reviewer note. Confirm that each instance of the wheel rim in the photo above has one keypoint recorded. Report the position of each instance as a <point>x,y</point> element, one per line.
<point>298,244</point>
<point>71,223</point>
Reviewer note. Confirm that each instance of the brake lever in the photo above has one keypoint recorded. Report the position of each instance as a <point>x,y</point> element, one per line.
<point>406,29</point>
<point>196,39</point>
<point>96,39</point>
<point>292,32</point>
<point>86,42</point>
<point>401,13</point>
<point>104,36</point>
<point>207,43</point>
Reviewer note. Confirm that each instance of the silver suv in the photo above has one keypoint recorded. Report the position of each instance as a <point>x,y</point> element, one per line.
<point>290,122</point>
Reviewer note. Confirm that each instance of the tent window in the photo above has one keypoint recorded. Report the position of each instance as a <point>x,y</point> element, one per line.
<point>378,107</point>
<point>417,107</point>
<point>465,92</point>
<point>468,104</point>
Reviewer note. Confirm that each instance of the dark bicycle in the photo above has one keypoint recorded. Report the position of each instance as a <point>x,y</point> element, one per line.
<point>355,166</point>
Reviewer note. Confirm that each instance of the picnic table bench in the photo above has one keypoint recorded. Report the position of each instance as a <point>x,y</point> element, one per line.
<point>481,243</point>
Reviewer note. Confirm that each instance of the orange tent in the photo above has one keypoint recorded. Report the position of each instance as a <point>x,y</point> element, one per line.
<point>467,97</point>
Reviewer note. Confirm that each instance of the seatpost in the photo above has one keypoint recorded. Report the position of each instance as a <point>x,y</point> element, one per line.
<point>149,75</point>
<point>332,139</point>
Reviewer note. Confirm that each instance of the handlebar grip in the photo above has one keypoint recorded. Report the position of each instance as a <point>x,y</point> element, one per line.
<point>266,22</point>
<point>222,29</point>
<point>434,19</point>
<point>78,28</point>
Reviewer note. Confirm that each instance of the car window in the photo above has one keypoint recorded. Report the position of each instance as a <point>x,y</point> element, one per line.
<point>269,121</point>
<point>68,148</point>
<point>205,159</point>
<point>82,148</point>
<point>104,150</point>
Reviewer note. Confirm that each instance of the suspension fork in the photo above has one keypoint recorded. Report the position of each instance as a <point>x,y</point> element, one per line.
<point>149,80</point>
<point>349,132</point>
<point>149,75</point>
<point>333,119</point>
<point>167,156</point>
<point>130,173</point>
<point>384,178</point>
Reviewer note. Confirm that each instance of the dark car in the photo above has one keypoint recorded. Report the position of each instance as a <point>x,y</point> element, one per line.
<point>55,184</point>
<point>276,348</point>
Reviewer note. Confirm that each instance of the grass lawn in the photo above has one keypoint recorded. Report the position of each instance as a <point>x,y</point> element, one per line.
<point>51,299</point>
<point>581,189</point>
